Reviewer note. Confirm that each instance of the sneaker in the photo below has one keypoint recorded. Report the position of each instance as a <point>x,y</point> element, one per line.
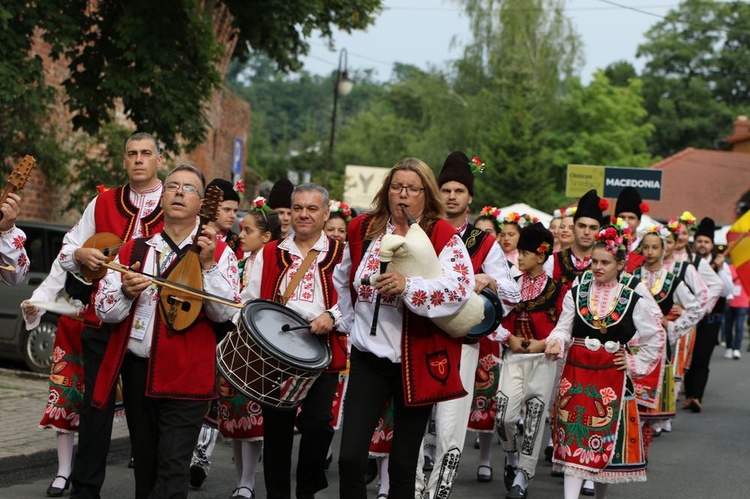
<point>736,354</point>
<point>728,353</point>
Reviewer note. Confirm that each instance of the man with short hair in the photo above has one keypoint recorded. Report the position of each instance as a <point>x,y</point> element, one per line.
<point>129,211</point>
<point>314,298</point>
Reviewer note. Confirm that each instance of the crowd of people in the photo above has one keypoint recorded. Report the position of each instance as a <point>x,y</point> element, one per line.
<point>602,324</point>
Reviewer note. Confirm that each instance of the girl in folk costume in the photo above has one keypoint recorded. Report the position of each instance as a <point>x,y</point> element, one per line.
<point>596,428</point>
<point>66,378</point>
<point>656,394</point>
<point>527,377</point>
<point>510,230</point>
<point>240,418</point>
<point>554,228</point>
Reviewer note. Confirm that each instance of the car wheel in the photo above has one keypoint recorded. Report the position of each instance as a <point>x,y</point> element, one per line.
<point>39,344</point>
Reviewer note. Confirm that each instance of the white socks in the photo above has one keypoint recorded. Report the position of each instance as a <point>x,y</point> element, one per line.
<point>521,480</point>
<point>485,449</point>
<point>385,486</point>
<point>572,486</point>
<point>246,457</point>
<point>511,459</point>
<point>64,457</point>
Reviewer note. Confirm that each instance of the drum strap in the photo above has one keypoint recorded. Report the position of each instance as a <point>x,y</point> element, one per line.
<point>309,259</point>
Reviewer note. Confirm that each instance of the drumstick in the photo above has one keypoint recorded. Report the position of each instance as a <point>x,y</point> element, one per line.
<point>287,327</point>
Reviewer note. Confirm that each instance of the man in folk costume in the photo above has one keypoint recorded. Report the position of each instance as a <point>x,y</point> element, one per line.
<point>630,207</point>
<point>568,264</point>
<point>12,240</point>
<point>129,211</point>
<point>168,375</point>
<point>309,253</point>
<point>280,201</point>
<point>526,381</point>
<point>456,182</point>
<point>226,215</point>
<point>707,331</point>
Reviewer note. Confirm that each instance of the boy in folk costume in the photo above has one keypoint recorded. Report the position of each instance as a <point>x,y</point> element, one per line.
<point>526,376</point>
<point>630,207</point>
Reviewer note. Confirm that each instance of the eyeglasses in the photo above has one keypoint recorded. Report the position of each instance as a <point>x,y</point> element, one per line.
<point>411,190</point>
<point>186,188</point>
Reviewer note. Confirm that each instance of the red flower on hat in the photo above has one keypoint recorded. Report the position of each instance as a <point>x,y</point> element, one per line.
<point>603,204</point>
<point>644,207</point>
<point>476,165</point>
<point>101,188</point>
<point>543,248</point>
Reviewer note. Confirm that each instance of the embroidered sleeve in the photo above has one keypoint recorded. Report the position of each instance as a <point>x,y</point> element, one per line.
<point>697,286</point>
<point>224,281</point>
<point>496,266</point>
<point>74,239</point>
<point>446,295</point>
<point>712,282</point>
<point>110,303</point>
<point>690,316</point>
<point>251,291</point>
<point>651,340</point>
<point>341,283</point>
<point>563,332</point>
<point>13,252</point>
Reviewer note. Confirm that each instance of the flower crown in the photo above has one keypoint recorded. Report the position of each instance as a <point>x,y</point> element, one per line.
<point>673,225</point>
<point>689,220</point>
<point>492,212</point>
<point>659,230</point>
<point>476,165</point>
<point>239,188</point>
<point>615,237</point>
<point>340,207</point>
<point>260,204</point>
<point>564,212</point>
<point>518,219</point>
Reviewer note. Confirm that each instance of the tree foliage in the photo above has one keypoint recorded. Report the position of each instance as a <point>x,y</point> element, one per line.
<point>696,76</point>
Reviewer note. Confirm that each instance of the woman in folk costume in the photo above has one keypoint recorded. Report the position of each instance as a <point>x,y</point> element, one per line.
<point>596,427</point>
<point>527,377</point>
<point>400,354</point>
<point>656,398</point>
<point>241,418</point>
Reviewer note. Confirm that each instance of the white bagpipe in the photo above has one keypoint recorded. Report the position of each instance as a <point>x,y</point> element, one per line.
<point>413,255</point>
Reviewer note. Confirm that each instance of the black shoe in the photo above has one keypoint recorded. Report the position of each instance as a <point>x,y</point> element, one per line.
<point>516,492</point>
<point>476,441</point>
<point>57,491</point>
<point>372,471</point>
<point>197,476</point>
<point>548,453</point>
<point>429,464</point>
<point>305,496</point>
<point>585,491</point>
<point>240,492</point>
<point>328,462</point>
<point>131,463</point>
<point>482,477</point>
<point>556,474</point>
<point>509,476</point>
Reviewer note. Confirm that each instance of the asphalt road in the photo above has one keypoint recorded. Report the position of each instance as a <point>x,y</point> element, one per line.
<point>705,456</point>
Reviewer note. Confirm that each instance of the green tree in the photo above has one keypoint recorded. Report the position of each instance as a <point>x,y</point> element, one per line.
<point>696,77</point>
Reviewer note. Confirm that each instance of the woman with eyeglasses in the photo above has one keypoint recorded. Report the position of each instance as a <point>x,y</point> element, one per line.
<point>400,355</point>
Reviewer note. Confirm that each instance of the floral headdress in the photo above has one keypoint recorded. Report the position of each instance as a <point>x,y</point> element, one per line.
<point>342,208</point>
<point>476,165</point>
<point>239,188</point>
<point>659,230</point>
<point>564,212</point>
<point>260,204</point>
<point>492,212</point>
<point>673,226</point>
<point>689,220</point>
<point>616,237</point>
<point>516,218</point>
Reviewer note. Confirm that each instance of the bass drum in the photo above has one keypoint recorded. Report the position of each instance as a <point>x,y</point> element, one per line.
<point>493,315</point>
<point>272,366</point>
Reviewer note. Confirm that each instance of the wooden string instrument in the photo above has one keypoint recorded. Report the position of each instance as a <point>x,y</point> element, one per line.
<point>16,182</point>
<point>17,178</point>
<point>181,308</point>
<point>106,242</point>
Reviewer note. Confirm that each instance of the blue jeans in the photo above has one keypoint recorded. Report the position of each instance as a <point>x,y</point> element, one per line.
<point>734,324</point>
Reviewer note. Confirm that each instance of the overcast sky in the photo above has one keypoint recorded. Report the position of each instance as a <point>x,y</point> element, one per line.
<point>431,32</point>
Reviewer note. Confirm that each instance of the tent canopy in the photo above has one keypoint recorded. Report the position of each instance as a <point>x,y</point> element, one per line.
<point>523,208</point>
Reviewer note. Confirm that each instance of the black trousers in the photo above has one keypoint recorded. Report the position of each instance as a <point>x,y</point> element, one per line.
<point>164,433</point>
<point>706,337</point>
<point>316,433</point>
<point>95,429</point>
<point>372,382</point>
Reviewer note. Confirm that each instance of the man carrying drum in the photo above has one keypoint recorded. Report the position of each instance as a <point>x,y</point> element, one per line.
<point>310,256</point>
<point>168,374</point>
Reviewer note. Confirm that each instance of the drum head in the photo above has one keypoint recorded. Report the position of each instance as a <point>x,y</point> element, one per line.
<point>493,315</point>
<point>264,320</point>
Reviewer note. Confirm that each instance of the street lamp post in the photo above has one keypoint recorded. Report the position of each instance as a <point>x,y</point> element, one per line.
<point>342,87</point>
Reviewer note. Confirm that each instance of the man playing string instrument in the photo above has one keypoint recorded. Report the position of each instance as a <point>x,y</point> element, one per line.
<point>167,376</point>
<point>12,239</point>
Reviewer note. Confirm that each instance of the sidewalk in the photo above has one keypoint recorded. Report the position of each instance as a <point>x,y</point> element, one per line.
<point>22,443</point>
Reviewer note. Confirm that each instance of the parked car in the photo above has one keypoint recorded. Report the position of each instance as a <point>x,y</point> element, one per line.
<point>43,243</point>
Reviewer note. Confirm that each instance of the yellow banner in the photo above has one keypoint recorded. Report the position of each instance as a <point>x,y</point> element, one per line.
<point>582,178</point>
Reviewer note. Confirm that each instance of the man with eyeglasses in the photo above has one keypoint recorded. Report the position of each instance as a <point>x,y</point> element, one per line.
<point>129,211</point>
<point>168,376</point>
<point>315,299</point>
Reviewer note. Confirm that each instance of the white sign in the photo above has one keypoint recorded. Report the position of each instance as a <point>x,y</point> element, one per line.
<point>361,184</point>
